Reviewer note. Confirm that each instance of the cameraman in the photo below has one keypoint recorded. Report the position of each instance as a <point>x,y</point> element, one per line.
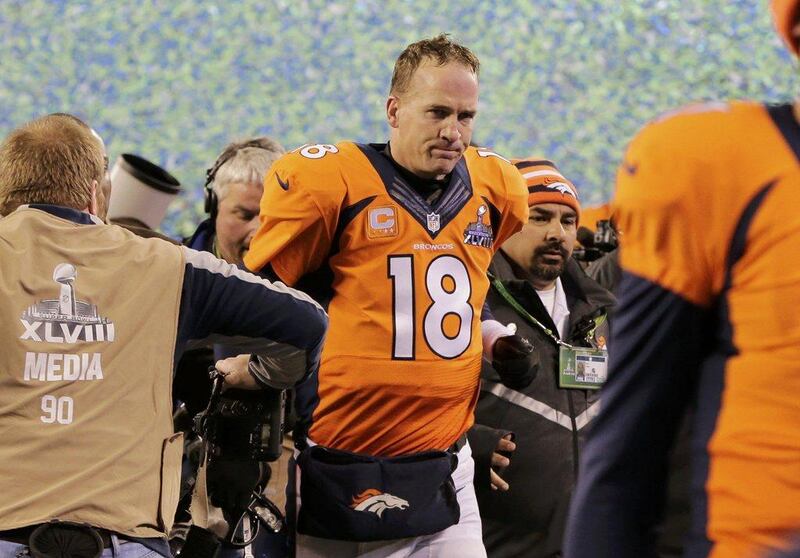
<point>92,319</point>
<point>232,191</point>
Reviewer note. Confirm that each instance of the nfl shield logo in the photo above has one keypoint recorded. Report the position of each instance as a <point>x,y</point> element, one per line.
<point>433,222</point>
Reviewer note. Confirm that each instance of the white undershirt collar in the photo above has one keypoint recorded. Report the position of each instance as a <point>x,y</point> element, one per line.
<point>555,302</point>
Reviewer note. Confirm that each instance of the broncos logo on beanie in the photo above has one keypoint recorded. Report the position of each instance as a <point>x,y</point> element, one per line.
<point>546,184</point>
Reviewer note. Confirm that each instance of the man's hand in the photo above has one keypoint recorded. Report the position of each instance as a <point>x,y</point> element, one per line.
<point>515,361</point>
<point>236,373</point>
<point>500,461</point>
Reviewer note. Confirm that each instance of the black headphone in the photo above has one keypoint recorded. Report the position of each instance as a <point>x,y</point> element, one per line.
<point>211,202</point>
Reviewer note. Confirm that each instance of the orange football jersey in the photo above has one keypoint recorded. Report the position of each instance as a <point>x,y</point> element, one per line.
<point>708,205</point>
<point>400,367</point>
<point>594,213</point>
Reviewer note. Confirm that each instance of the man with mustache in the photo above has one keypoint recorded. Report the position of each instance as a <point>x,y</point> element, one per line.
<point>540,288</point>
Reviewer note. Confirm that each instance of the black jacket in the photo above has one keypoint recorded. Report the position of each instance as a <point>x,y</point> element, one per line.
<point>548,421</point>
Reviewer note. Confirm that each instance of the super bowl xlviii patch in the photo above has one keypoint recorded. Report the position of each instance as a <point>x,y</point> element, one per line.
<point>65,319</point>
<point>479,233</point>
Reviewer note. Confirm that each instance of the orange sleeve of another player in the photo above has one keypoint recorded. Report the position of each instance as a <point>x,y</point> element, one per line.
<point>664,205</point>
<point>299,212</point>
<point>592,214</point>
<point>515,212</point>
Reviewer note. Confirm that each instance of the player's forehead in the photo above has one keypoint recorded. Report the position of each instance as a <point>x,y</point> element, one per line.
<point>449,83</point>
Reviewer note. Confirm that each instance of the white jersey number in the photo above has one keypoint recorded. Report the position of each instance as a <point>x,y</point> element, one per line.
<point>318,150</point>
<point>452,299</point>
<point>56,409</point>
<point>486,153</point>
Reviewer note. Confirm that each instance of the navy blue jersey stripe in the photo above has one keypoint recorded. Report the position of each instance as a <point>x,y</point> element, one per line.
<point>656,342</point>
<point>346,217</point>
<point>318,284</point>
<point>783,117</point>
<point>739,239</point>
<point>456,195</point>
<point>495,216</point>
<point>712,383</point>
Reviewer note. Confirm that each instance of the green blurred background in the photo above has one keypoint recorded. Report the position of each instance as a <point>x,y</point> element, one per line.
<point>174,81</point>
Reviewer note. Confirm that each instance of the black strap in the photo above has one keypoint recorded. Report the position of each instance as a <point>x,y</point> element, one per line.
<point>39,536</point>
<point>459,444</point>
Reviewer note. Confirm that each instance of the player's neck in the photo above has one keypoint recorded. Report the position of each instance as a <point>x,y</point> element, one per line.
<point>419,183</point>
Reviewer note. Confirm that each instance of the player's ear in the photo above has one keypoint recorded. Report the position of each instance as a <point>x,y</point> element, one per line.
<point>392,106</point>
<point>94,205</point>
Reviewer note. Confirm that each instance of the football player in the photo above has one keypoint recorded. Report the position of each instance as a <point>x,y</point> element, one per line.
<point>397,237</point>
<point>707,202</point>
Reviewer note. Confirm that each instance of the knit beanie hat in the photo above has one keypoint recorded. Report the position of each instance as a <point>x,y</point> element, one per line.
<point>546,184</point>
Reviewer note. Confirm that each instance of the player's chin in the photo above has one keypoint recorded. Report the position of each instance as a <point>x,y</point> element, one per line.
<point>444,165</point>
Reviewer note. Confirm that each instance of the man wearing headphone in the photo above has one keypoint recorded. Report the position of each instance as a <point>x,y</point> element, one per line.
<point>232,193</point>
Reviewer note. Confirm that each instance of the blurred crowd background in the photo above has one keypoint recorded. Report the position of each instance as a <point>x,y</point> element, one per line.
<point>175,81</point>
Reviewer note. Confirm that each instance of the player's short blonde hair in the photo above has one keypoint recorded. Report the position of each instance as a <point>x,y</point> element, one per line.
<point>53,159</point>
<point>439,49</point>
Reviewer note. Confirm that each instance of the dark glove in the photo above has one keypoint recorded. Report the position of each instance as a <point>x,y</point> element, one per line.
<point>484,440</point>
<point>231,483</point>
<point>515,361</point>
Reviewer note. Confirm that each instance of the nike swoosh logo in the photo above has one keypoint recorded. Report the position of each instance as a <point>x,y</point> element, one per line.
<point>630,168</point>
<point>281,183</point>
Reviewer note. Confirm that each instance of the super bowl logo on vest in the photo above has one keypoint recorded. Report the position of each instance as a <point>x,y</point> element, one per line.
<point>65,320</point>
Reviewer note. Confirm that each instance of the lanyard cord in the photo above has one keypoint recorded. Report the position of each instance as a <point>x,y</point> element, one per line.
<point>508,297</point>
